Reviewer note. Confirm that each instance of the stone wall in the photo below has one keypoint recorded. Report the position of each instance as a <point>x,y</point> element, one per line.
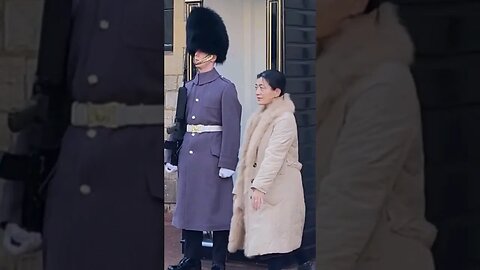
<point>173,79</point>
<point>20,24</point>
<point>172,82</point>
<point>19,36</point>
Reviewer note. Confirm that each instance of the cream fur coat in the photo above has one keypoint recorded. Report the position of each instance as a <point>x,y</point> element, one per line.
<point>269,163</point>
<point>370,169</point>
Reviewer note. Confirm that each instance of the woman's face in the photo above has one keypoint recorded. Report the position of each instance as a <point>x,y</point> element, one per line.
<point>332,13</point>
<point>264,92</point>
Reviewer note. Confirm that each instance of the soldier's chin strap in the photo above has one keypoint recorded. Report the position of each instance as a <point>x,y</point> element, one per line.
<point>205,59</point>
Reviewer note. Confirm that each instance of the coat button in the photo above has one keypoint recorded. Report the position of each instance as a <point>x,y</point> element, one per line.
<point>92,79</point>
<point>91,133</point>
<point>190,152</point>
<point>193,134</point>
<point>104,24</point>
<point>85,189</point>
<point>193,117</point>
<point>255,165</point>
<point>196,100</point>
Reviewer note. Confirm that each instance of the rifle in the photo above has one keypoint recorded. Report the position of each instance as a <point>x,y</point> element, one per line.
<point>45,120</point>
<point>178,130</point>
<point>14,167</point>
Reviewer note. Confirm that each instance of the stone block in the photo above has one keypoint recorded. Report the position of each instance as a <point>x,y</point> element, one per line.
<point>171,82</point>
<point>22,25</point>
<point>180,80</point>
<point>170,191</point>
<point>169,118</point>
<point>30,262</point>
<point>169,208</point>
<point>171,99</point>
<point>5,135</point>
<point>25,262</point>
<point>12,83</point>
<point>30,76</point>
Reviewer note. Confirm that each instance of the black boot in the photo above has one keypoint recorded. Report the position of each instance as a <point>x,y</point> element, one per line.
<point>187,264</point>
<point>275,263</point>
<point>192,255</point>
<point>219,252</point>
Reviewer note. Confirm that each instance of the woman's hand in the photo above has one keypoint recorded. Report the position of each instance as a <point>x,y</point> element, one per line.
<point>257,199</point>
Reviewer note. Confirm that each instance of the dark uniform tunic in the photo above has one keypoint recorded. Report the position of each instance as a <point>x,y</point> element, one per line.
<point>105,201</point>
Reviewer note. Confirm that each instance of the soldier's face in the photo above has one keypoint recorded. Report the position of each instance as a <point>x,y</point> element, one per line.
<point>264,92</point>
<point>204,61</point>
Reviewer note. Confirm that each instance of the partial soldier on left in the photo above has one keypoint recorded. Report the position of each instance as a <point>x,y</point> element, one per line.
<point>104,196</point>
<point>39,128</point>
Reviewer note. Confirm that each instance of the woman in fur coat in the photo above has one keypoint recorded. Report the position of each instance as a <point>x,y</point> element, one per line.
<point>370,170</point>
<point>269,209</point>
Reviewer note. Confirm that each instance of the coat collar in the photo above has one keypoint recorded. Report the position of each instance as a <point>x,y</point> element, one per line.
<point>207,77</point>
<point>283,103</point>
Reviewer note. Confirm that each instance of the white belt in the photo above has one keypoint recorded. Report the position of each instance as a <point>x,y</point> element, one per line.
<point>203,128</point>
<point>113,115</point>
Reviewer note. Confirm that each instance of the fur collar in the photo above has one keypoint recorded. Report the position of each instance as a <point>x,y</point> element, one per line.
<point>363,44</point>
<point>257,125</point>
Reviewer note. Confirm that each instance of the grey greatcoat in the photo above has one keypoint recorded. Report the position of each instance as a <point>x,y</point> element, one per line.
<point>204,200</point>
<point>104,204</point>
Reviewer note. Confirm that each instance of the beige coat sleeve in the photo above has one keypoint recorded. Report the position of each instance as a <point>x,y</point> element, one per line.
<point>378,129</point>
<point>281,140</point>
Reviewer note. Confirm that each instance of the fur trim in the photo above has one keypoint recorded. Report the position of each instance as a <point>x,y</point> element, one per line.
<point>262,120</point>
<point>236,236</point>
<point>363,44</point>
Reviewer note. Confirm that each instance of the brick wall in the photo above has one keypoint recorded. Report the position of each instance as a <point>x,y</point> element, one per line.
<point>300,72</point>
<point>447,37</point>
<point>20,22</point>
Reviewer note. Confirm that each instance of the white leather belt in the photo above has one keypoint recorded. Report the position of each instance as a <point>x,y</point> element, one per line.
<point>113,115</point>
<point>203,128</point>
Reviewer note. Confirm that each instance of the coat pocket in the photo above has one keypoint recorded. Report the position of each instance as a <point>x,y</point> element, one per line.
<point>215,144</point>
<point>141,24</point>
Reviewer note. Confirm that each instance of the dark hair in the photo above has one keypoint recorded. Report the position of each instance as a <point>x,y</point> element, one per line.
<point>372,5</point>
<point>275,79</point>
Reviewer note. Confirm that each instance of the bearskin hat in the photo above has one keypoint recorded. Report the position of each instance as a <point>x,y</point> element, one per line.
<point>372,5</point>
<point>207,32</point>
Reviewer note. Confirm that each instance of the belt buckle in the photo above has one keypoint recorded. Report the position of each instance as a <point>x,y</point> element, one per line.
<point>102,115</point>
<point>197,128</point>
